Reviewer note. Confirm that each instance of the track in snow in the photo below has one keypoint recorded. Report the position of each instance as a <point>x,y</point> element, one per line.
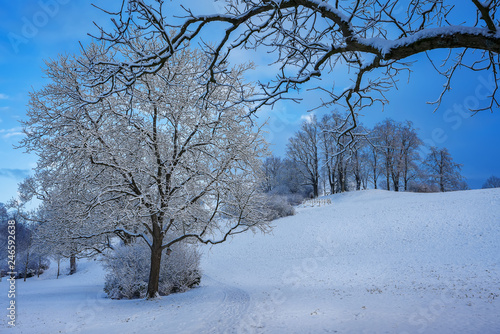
<point>227,311</point>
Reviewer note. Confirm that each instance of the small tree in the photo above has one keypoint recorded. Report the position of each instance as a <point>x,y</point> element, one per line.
<point>30,260</point>
<point>443,171</point>
<point>61,232</point>
<point>492,182</point>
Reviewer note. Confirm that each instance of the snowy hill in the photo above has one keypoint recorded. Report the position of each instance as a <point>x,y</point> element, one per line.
<point>370,262</point>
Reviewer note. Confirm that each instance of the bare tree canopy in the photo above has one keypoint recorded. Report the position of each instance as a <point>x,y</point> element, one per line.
<point>443,171</point>
<point>303,149</point>
<point>373,39</point>
<point>492,182</point>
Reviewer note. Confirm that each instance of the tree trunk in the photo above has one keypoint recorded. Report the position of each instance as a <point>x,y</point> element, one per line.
<point>72,264</point>
<point>357,171</point>
<point>395,182</point>
<point>315,189</point>
<point>154,271</point>
<point>331,178</point>
<point>375,169</point>
<point>27,263</point>
<point>441,171</point>
<point>341,179</point>
<point>28,256</point>
<point>405,173</point>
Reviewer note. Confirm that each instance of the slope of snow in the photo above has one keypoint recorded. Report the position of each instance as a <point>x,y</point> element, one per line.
<point>371,262</point>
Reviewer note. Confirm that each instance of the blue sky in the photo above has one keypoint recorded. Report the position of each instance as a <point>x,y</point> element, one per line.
<point>32,30</point>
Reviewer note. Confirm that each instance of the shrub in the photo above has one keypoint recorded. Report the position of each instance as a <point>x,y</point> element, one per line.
<point>295,199</point>
<point>278,206</point>
<point>128,270</point>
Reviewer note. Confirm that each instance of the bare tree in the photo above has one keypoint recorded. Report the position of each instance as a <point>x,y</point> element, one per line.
<point>409,144</point>
<point>365,169</point>
<point>373,158</point>
<point>327,144</point>
<point>386,143</point>
<point>330,148</point>
<point>397,143</point>
<point>272,167</point>
<point>443,171</point>
<point>340,148</point>
<point>358,159</point>
<point>303,148</point>
<point>373,40</point>
<point>292,180</point>
<point>492,182</point>
<point>159,163</point>
<point>59,218</point>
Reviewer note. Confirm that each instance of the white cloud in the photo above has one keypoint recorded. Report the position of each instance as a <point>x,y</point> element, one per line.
<point>7,133</point>
<point>12,134</point>
<point>308,117</point>
<point>4,96</point>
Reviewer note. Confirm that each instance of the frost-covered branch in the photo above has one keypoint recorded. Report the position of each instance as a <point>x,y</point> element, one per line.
<point>308,39</point>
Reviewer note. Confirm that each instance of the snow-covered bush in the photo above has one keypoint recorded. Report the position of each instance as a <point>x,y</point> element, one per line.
<point>278,206</point>
<point>294,199</point>
<point>128,270</point>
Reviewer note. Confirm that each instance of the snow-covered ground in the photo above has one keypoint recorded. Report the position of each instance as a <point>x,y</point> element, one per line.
<point>370,262</point>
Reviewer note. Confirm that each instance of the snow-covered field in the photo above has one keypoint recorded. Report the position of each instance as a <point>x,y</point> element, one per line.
<point>371,262</point>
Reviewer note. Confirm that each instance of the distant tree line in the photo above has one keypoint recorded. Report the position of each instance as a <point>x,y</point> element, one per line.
<point>30,256</point>
<point>327,155</point>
